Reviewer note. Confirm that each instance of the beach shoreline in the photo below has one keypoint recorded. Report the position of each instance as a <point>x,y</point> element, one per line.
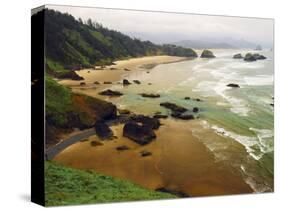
<point>196,181</point>
<point>116,72</point>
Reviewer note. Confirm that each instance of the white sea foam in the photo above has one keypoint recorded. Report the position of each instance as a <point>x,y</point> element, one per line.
<point>245,65</point>
<point>250,143</point>
<point>259,80</point>
<point>265,137</point>
<point>238,106</point>
<point>221,152</point>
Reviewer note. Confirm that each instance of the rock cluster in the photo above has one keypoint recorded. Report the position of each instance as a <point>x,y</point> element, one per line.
<point>109,92</point>
<point>207,54</point>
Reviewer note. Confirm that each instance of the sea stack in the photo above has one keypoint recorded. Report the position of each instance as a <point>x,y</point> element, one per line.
<point>207,54</point>
<point>237,56</point>
<point>249,57</point>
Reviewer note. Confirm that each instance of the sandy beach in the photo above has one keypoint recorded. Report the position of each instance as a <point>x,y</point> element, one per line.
<point>178,162</point>
<point>114,73</point>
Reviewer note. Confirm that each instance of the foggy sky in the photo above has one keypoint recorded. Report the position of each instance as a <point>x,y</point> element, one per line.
<point>162,27</point>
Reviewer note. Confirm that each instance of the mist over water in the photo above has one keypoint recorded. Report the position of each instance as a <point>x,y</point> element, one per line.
<point>237,124</point>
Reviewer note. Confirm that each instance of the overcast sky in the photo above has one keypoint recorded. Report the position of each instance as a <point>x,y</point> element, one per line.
<point>162,27</point>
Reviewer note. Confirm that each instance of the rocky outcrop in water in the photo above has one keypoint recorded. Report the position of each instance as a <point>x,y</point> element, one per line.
<point>183,116</point>
<point>237,56</point>
<point>150,95</point>
<point>233,85</point>
<point>109,92</point>
<point>249,57</point>
<point>195,110</point>
<point>178,111</point>
<point>259,56</point>
<point>207,54</point>
<point>137,82</point>
<point>173,107</point>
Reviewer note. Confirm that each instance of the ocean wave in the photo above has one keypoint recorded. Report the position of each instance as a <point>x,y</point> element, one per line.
<point>245,65</point>
<point>258,185</point>
<point>256,147</point>
<point>259,80</point>
<point>238,106</point>
<point>265,137</point>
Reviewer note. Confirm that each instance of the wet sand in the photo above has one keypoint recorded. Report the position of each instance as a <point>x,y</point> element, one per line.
<point>178,162</point>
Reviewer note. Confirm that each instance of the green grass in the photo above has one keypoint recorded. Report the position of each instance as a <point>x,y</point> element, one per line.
<point>67,186</point>
<point>55,68</point>
<point>58,102</point>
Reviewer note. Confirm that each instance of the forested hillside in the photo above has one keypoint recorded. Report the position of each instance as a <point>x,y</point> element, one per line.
<point>72,44</point>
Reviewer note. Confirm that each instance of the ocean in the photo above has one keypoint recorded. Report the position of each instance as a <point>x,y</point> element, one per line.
<point>235,124</point>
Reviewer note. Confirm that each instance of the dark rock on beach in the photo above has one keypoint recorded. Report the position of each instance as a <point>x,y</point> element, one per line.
<point>145,153</point>
<point>137,82</point>
<point>107,82</point>
<point>173,107</point>
<point>109,92</point>
<point>96,143</point>
<point>124,111</point>
<point>237,56</point>
<point>153,123</point>
<point>150,95</point>
<point>102,130</point>
<point>182,115</point>
<point>122,148</point>
<point>141,134</point>
<point>232,85</point>
<point>126,82</point>
<point>68,75</point>
<point>187,98</point>
<point>160,116</point>
<point>96,82</point>
<point>126,69</point>
<point>82,83</point>
<point>207,54</point>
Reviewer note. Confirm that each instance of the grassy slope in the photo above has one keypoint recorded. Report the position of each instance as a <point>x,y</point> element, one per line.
<point>67,186</point>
